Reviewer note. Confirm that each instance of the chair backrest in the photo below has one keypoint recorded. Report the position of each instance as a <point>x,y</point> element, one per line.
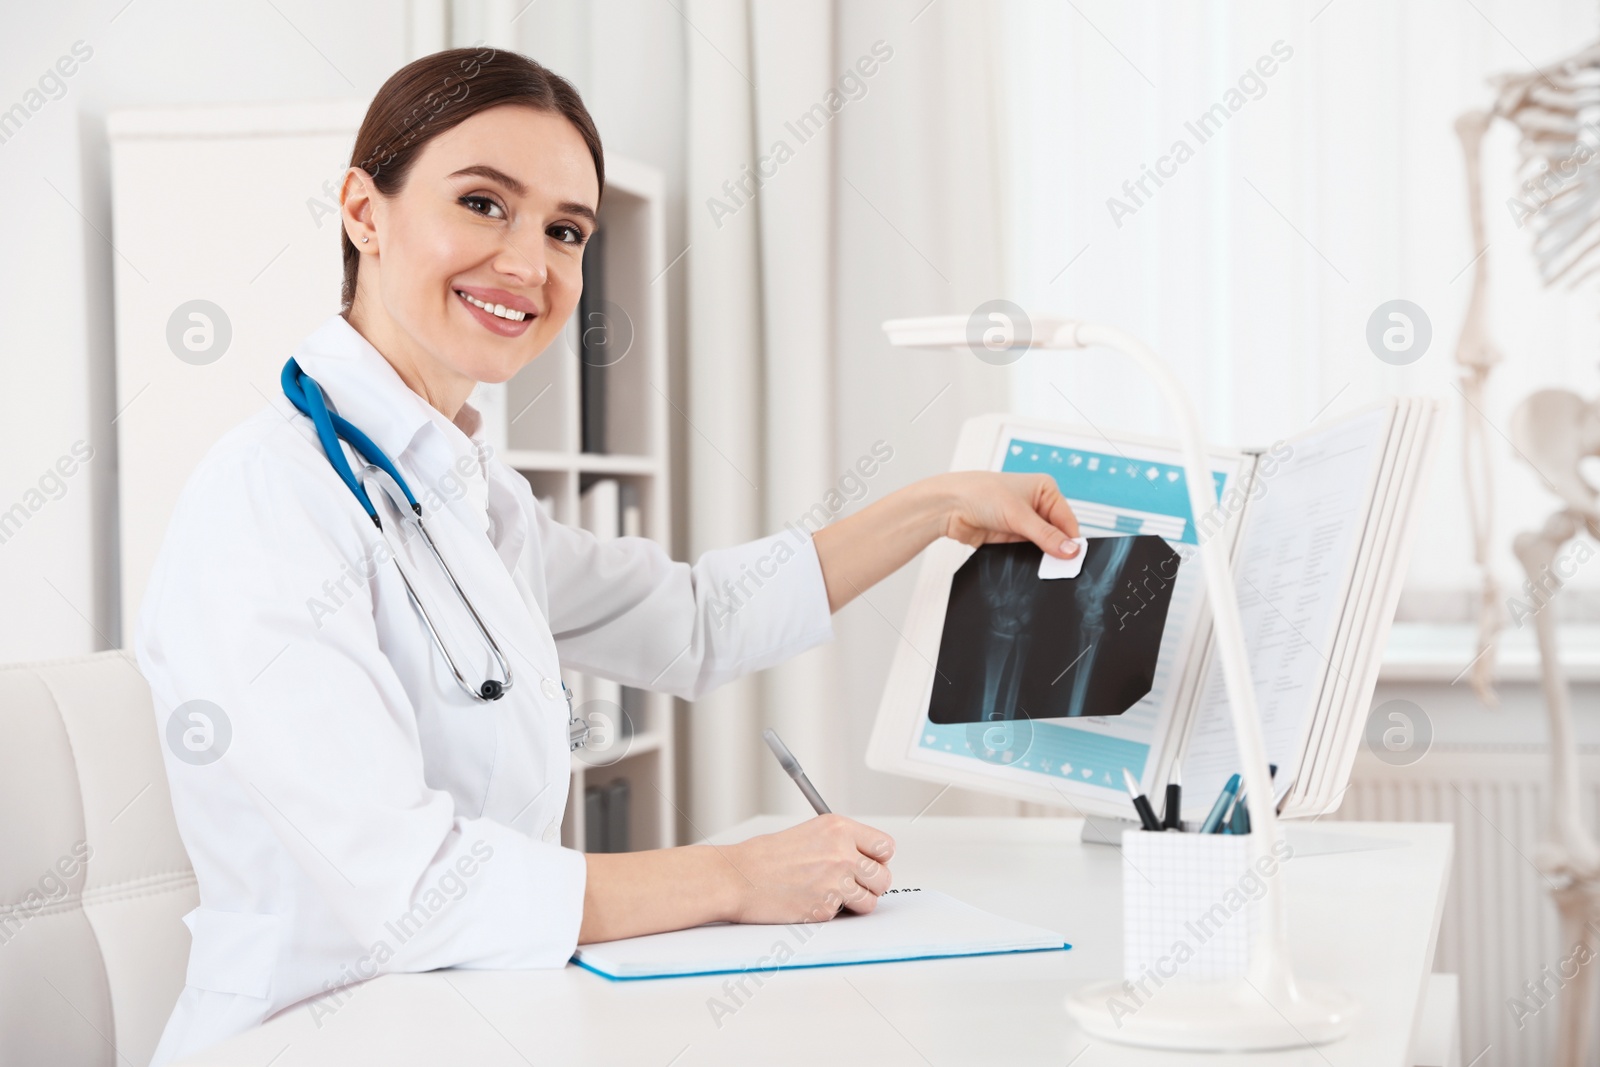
<point>94,879</point>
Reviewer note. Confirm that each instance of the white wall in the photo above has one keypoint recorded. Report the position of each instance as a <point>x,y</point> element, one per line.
<point>626,58</point>
<point>908,244</point>
<point>899,246</point>
<point>1255,268</point>
<point>1350,142</point>
<point>57,569</point>
<point>58,557</point>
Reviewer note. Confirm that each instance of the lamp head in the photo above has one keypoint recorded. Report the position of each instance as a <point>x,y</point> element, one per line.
<point>995,332</point>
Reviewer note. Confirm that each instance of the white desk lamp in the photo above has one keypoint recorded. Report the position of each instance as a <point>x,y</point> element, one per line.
<point>1267,1008</point>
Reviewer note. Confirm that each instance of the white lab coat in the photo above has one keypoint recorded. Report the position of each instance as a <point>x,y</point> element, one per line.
<point>366,815</point>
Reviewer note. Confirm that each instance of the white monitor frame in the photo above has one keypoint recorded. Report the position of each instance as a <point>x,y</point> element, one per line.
<point>903,709</point>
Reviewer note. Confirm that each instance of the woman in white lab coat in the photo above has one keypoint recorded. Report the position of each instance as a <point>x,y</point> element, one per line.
<point>349,808</point>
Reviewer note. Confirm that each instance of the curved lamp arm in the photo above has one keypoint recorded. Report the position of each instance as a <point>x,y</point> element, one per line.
<point>1269,963</point>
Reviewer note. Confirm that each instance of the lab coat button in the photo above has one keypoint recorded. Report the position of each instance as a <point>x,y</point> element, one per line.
<point>550,688</point>
<point>552,832</point>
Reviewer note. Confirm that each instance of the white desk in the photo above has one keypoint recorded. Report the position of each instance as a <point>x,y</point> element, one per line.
<point>1366,920</point>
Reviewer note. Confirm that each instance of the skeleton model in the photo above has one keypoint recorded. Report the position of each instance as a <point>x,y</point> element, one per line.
<point>1558,114</point>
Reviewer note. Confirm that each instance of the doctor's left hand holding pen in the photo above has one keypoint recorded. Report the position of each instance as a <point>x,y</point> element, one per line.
<point>462,259</point>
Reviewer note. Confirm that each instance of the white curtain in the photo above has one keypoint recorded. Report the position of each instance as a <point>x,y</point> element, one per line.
<point>1332,183</point>
<point>884,201</point>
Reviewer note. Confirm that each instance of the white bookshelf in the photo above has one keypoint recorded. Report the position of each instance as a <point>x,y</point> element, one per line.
<point>536,417</point>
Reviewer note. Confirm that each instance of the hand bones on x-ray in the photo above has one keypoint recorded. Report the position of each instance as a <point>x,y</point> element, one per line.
<point>1008,586</point>
<point>1010,640</point>
<point>1094,595</point>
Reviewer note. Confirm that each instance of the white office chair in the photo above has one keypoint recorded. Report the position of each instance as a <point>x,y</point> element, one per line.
<point>94,879</point>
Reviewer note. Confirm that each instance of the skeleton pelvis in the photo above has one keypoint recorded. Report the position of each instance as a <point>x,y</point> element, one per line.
<point>1555,430</point>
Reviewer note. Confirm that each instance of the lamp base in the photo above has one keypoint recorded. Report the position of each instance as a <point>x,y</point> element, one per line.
<point>1221,1016</point>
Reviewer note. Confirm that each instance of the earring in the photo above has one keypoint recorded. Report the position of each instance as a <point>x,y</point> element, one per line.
<point>363,240</point>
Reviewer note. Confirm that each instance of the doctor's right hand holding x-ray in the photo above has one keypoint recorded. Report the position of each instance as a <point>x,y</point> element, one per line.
<point>390,791</point>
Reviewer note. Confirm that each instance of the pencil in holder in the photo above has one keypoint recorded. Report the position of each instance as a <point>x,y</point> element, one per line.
<point>1188,906</point>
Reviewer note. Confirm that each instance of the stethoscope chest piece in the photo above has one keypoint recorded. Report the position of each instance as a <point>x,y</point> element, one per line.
<point>406,515</point>
<point>306,395</point>
<point>409,515</point>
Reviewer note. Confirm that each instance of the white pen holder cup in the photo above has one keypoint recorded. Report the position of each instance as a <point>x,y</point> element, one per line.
<point>1188,906</point>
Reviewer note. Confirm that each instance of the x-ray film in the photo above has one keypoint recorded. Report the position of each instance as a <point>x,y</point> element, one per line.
<point>1009,695</point>
<point>1016,646</point>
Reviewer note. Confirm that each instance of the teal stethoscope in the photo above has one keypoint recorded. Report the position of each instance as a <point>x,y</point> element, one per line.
<point>306,395</point>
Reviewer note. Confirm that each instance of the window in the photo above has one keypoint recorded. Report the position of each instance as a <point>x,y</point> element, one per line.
<point>1243,186</point>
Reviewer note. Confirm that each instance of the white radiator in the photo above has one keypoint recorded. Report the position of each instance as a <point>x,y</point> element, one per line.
<point>1500,929</point>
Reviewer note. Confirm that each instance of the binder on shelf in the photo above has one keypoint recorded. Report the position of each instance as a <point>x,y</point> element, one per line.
<point>600,508</point>
<point>594,334</point>
<point>606,816</point>
<point>576,400</point>
<point>600,512</point>
<point>594,819</point>
<point>635,703</point>
<point>617,814</point>
<point>632,513</point>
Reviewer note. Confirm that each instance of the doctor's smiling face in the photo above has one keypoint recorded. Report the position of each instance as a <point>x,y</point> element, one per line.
<point>475,263</point>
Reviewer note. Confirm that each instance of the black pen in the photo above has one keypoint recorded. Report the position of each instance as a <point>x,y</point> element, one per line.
<point>1172,817</point>
<point>1141,804</point>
